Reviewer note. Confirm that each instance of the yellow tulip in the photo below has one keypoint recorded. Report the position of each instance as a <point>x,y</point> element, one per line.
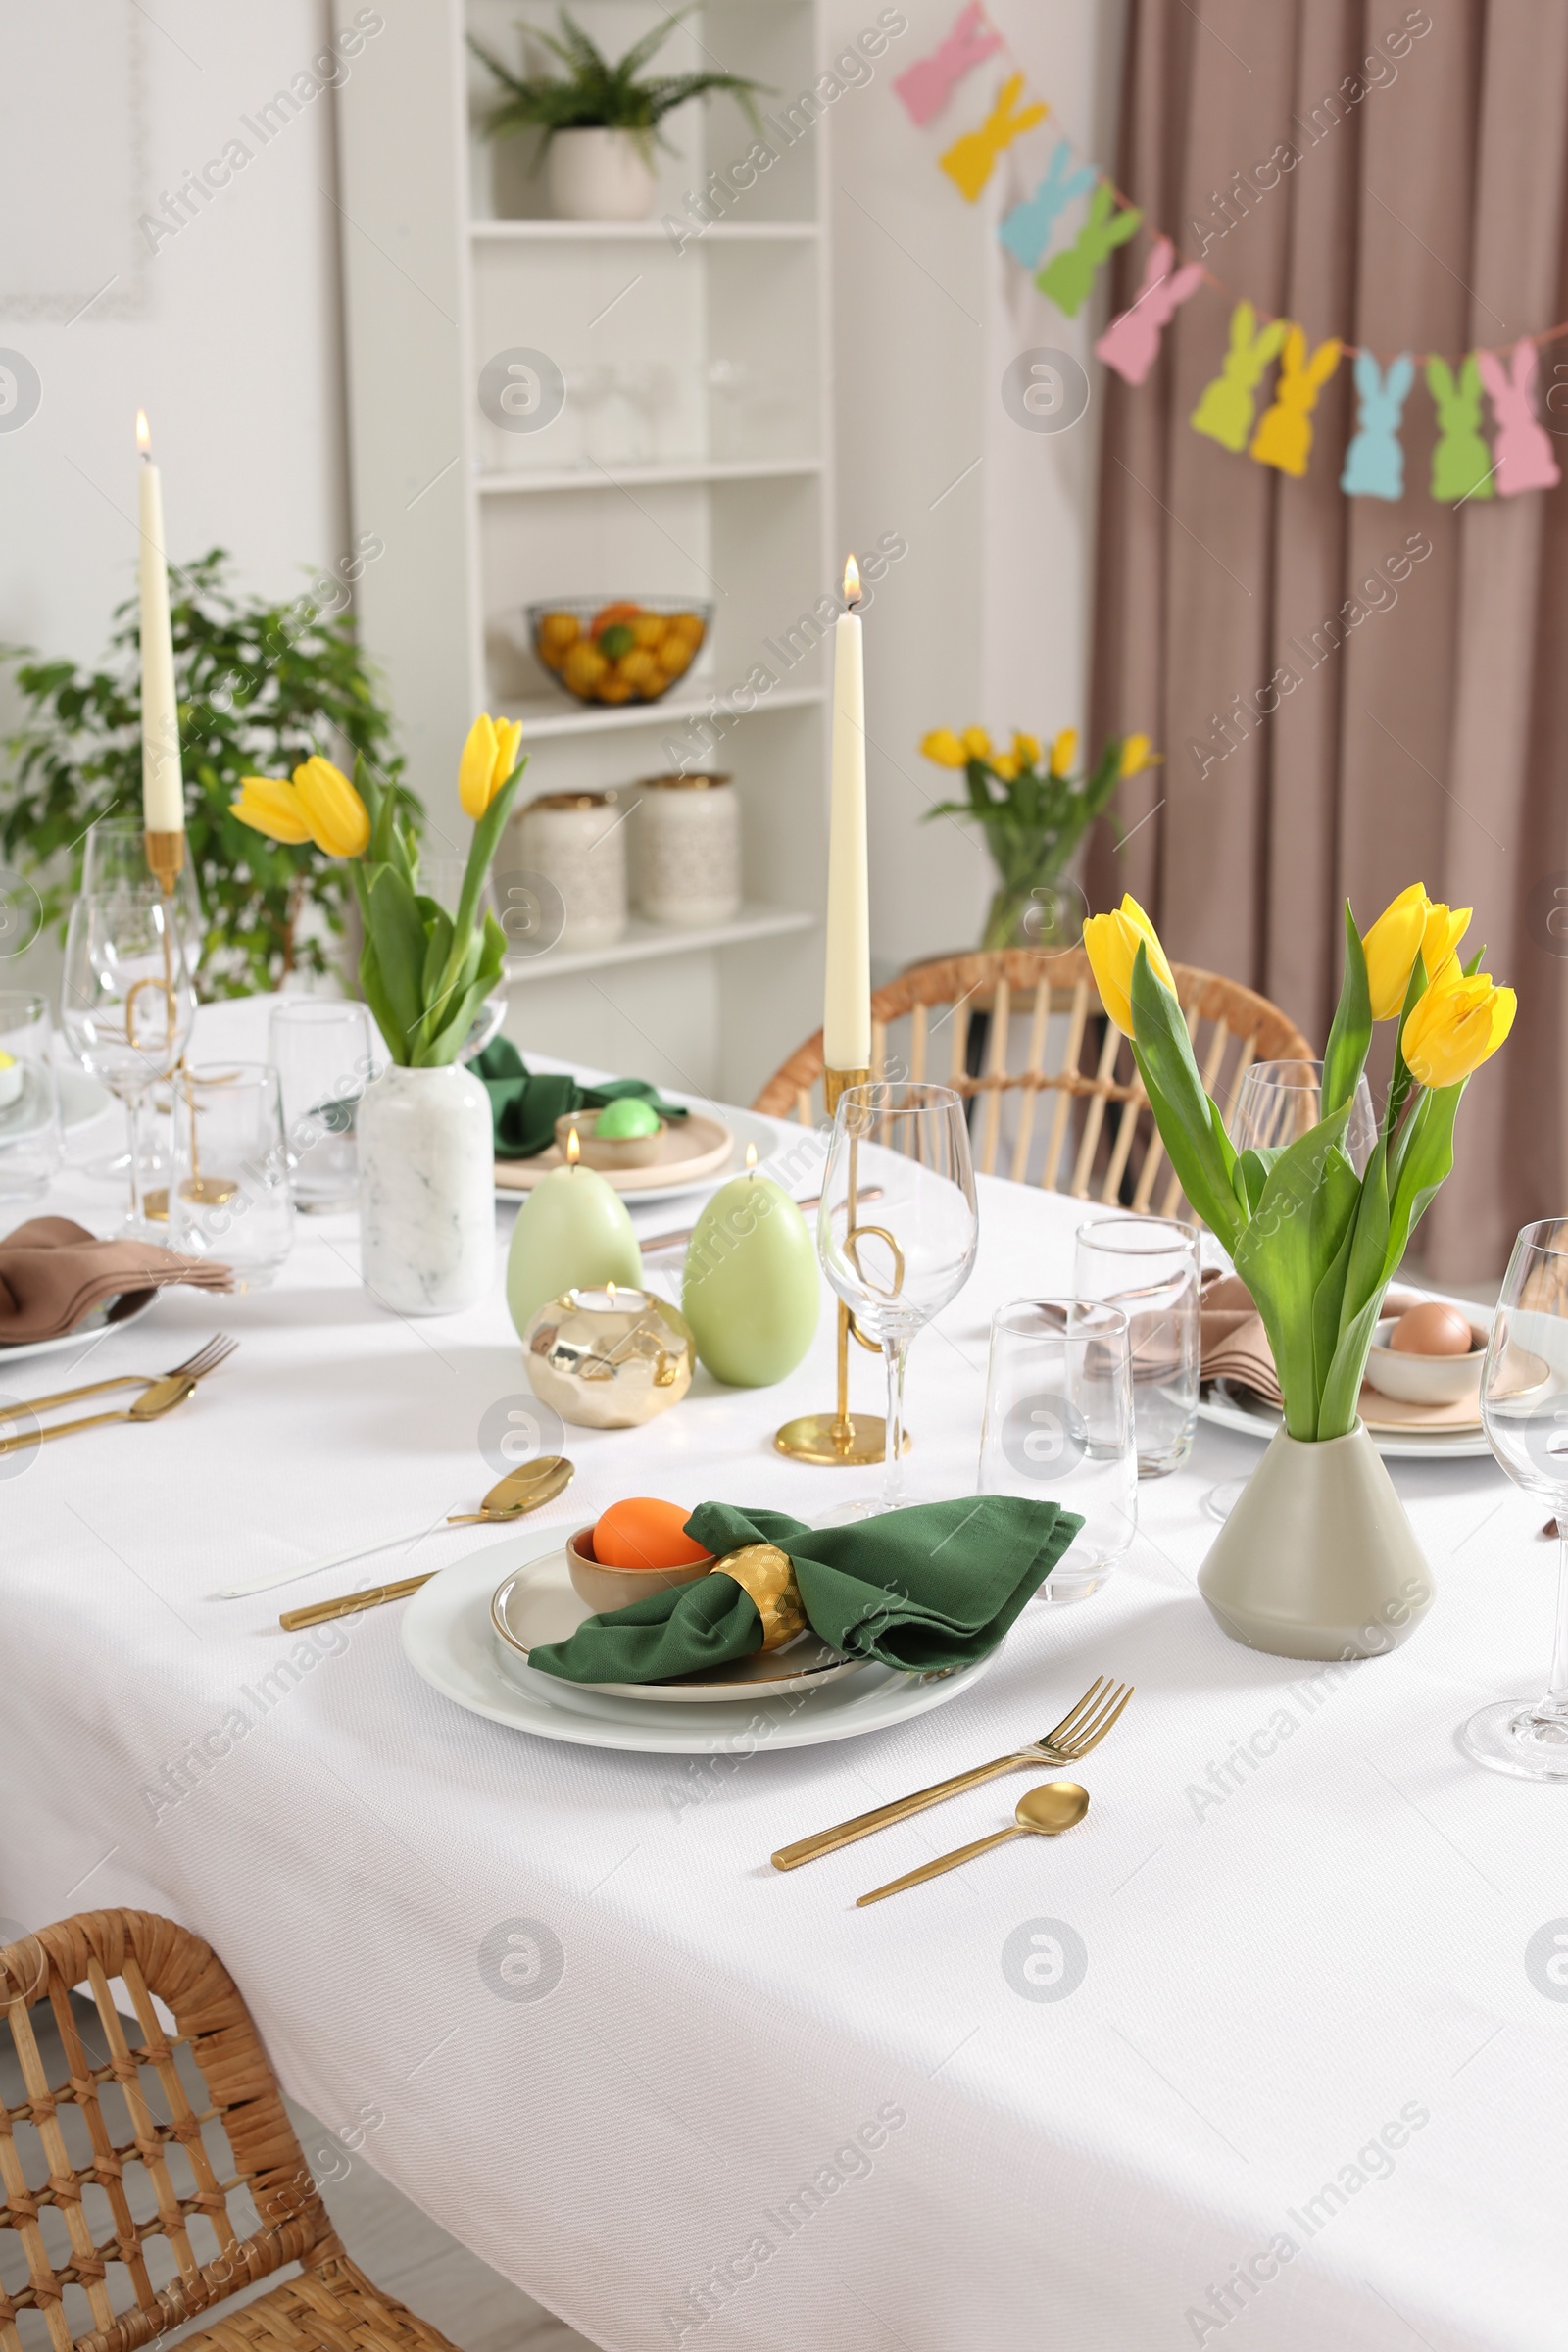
<point>944,747</point>
<point>489,756</point>
<point>1446,927</point>
<point>1390,948</point>
<point>1005,765</point>
<point>976,743</point>
<point>269,805</point>
<point>1026,750</point>
<point>1455,1026</point>
<point>338,819</point>
<point>1062,750</point>
<point>1112,942</point>
<point>1137,755</point>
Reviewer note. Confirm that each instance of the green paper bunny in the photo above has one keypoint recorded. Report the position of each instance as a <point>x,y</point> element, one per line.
<point>1461,462</point>
<point>1225,411</point>
<point>1069,277</point>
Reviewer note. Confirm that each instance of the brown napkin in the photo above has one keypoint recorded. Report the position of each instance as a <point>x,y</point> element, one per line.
<point>53,1273</point>
<point>1235,1346</point>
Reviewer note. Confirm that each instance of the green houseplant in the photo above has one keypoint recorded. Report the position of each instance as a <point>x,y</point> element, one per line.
<point>599,119</point>
<point>1318,1559</point>
<point>1034,811</point>
<point>260,685</point>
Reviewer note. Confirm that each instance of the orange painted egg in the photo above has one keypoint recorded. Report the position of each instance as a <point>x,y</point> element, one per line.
<point>643,1533</point>
<point>1432,1329</point>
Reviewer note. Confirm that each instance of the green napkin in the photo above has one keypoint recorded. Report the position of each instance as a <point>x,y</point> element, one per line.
<point>526,1103</point>
<point>931,1587</point>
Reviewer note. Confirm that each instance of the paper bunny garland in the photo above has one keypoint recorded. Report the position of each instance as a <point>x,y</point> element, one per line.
<point>1461,462</point>
<point>1069,277</point>
<point>1225,411</point>
<point>1284,438</point>
<point>1523,448</point>
<point>1131,343</point>
<point>968,161</point>
<point>1374,463</point>
<point>931,81</point>
<point>1026,229</point>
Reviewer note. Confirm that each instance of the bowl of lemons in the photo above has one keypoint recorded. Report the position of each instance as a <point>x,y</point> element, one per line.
<point>630,650</point>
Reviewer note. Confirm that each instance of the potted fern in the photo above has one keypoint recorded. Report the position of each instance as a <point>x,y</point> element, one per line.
<point>599,119</point>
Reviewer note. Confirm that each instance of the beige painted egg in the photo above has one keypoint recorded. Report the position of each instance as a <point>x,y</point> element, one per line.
<point>1432,1329</point>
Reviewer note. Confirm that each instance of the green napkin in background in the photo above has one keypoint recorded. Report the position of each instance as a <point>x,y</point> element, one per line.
<point>526,1103</point>
<point>932,1586</point>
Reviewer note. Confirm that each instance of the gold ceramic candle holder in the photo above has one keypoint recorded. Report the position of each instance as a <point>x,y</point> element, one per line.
<point>611,1358</point>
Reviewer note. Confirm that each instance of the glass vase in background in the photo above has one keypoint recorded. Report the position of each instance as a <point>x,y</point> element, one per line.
<point>32,1142</point>
<point>1149,1268</point>
<point>231,1197</point>
<point>1059,1428</point>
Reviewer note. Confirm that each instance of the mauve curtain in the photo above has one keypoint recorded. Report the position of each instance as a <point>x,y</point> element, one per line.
<point>1424,211</point>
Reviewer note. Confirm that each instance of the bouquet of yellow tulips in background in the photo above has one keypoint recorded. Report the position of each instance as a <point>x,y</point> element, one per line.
<point>1315,1243</point>
<point>424,971</point>
<point>1034,811</point>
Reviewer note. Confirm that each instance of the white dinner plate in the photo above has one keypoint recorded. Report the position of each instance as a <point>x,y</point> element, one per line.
<point>128,1308</point>
<point>447,1639</point>
<point>1225,1408</point>
<point>81,1099</point>
<point>745,1127</point>
<point>539,1603</point>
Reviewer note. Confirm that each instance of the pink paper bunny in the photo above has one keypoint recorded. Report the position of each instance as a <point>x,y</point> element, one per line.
<point>1131,343</point>
<point>931,81</point>
<point>1523,446</point>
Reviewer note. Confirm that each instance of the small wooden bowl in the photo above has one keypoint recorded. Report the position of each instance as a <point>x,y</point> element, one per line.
<point>605,1588</point>
<point>609,1151</point>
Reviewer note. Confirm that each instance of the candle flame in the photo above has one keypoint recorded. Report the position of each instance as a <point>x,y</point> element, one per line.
<point>611,1288</point>
<point>144,439</point>
<point>751,1159</point>
<point>573,1148</point>
<point>851,581</point>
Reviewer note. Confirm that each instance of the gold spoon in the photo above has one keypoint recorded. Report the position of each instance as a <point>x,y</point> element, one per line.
<point>521,1490</point>
<point>151,1405</point>
<point>1046,1809</point>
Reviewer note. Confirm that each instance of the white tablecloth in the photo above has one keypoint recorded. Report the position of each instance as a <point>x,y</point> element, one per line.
<point>1307,2090</point>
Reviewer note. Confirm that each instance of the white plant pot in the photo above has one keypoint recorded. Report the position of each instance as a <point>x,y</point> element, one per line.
<point>599,175</point>
<point>1318,1560</point>
<point>427,1207</point>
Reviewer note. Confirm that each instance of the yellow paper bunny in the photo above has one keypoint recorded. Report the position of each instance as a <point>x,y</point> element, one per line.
<point>968,161</point>
<point>1284,437</point>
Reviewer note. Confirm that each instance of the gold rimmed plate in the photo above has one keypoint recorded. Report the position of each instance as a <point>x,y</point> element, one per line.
<point>538,1602</point>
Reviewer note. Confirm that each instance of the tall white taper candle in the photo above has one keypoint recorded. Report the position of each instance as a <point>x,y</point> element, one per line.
<point>847,993</point>
<point>163,798</point>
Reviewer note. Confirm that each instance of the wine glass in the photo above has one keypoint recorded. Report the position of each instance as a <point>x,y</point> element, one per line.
<point>1276,1104</point>
<point>128,1003</point>
<point>115,860</point>
<point>896,1273</point>
<point>1524,1410</point>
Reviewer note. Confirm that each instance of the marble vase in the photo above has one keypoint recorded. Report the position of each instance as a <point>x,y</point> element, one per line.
<point>427,1208</point>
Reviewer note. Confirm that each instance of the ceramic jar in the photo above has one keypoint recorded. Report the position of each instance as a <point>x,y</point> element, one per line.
<point>577,842</point>
<point>690,850</point>
<point>597,175</point>
<point>427,1208</point>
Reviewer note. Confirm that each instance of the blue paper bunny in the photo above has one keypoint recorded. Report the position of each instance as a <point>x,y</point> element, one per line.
<point>1026,231</point>
<point>1374,463</point>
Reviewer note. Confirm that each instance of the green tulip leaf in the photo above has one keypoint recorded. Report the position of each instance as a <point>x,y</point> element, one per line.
<point>398,934</point>
<point>1344,1058</point>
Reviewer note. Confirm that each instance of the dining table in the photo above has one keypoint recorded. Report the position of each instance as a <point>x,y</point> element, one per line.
<point>1266,2052</point>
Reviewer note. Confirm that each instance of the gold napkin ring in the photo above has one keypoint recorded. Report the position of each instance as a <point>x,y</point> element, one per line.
<point>767,1576</point>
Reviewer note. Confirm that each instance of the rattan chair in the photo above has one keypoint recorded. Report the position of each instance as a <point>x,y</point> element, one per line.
<point>1003,1010</point>
<point>161,2175</point>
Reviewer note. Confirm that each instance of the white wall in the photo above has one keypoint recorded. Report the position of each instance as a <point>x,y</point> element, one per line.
<point>229,336</point>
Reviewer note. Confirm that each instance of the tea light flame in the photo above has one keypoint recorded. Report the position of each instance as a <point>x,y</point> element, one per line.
<point>751,1159</point>
<point>573,1148</point>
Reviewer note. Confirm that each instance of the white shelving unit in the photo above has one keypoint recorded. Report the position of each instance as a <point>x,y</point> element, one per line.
<point>692,457</point>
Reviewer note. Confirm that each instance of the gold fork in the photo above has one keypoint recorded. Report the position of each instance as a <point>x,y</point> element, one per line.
<point>159,1398</point>
<point>1082,1728</point>
<point>206,1360</point>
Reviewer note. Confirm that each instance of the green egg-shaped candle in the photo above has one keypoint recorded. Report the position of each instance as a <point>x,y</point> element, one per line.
<point>751,1290</point>
<point>572,1233</point>
<point>627,1116</point>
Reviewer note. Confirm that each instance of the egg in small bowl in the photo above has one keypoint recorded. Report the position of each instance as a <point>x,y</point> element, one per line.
<point>1431,1354</point>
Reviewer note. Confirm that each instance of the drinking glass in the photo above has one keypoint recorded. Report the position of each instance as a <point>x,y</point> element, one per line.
<point>128,1003</point>
<point>231,1196</point>
<point>896,1273</point>
<point>32,1142</point>
<point>324,1056</point>
<point>1524,1410</point>
<point>115,860</point>
<point>1059,1428</point>
<point>1279,1102</point>
<point>1148,1267</point>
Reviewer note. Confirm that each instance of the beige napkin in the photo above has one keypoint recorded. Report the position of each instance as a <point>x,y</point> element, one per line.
<point>1235,1344</point>
<point>53,1273</point>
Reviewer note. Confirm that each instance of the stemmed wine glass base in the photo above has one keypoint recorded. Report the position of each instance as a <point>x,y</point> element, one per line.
<point>1531,1742</point>
<point>1222,1498</point>
<point>875,1506</point>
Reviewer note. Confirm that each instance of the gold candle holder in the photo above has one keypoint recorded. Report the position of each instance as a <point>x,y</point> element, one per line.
<point>839,1439</point>
<point>166,860</point>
